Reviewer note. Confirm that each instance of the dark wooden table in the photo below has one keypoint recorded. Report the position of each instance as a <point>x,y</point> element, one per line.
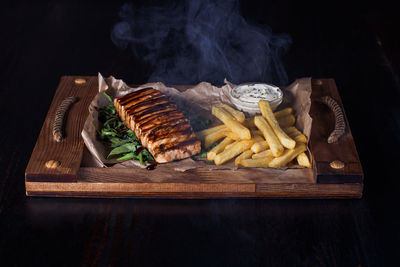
<point>354,44</point>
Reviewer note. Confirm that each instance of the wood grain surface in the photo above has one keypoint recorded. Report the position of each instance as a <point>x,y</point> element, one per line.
<point>343,150</point>
<point>69,152</point>
<point>118,181</point>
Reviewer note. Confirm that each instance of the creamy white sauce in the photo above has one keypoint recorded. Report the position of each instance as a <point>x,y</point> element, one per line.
<point>252,93</point>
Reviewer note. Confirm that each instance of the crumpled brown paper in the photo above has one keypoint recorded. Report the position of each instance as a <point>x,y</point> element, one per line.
<point>198,99</point>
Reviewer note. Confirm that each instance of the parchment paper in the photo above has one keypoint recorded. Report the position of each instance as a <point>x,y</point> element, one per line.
<point>197,100</point>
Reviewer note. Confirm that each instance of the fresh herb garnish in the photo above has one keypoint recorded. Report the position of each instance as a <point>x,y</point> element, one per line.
<point>203,152</point>
<point>197,121</point>
<point>121,140</point>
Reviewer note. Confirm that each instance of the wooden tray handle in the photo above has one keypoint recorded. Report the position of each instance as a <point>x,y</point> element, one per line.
<point>59,118</point>
<point>340,125</point>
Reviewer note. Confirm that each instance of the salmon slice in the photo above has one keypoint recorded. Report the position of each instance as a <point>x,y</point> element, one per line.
<point>158,123</point>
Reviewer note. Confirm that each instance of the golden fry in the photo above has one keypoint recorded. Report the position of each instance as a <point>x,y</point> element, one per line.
<point>259,146</point>
<point>263,154</point>
<point>202,134</point>
<point>214,137</point>
<point>282,113</point>
<point>232,135</point>
<point>233,151</point>
<point>294,133</point>
<point>218,148</point>
<point>230,145</point>
<point>232,124</point>
<point>303,160</point>
<point>286,121</point>
<point>269,135</point>
<point>245,155</point>
<point>266,111</point>
<point>287,156</point>
<point>299,138</point>
<point>260,162</point>
<point>238,115</point>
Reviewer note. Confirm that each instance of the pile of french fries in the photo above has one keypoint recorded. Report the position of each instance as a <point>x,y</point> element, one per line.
<point>270,140</point>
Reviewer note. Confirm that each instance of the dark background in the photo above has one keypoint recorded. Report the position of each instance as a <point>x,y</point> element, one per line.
<point>355,43</point>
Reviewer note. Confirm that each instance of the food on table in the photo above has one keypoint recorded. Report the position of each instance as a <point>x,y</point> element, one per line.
<point>232,152</point>
<point>266,111</point>
<point>263,154</point>
<point>273,142</point>
<point>295,134</point>
<point>230,122</point>
<point>159,125</point>
<point>238,115</point>
<point>259,146</point>
<point>269,135</point>
<point>219,148</point>
<point>286,121</point>
<point>258,162</point>
<point>214,137</point>
<point>245,155</point>
<point>287,156</point>
<point>246,96</point>
<point>303,160</point>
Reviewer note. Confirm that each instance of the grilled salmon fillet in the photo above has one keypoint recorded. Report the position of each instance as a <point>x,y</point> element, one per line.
<point>158,124</point>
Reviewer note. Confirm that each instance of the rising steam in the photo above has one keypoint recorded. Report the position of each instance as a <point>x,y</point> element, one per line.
<point>202,41</point>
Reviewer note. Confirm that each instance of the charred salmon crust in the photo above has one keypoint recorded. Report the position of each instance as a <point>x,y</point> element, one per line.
<point>158,123</point>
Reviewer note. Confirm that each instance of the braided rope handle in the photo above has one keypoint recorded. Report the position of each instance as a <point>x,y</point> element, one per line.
<point>59,118</point>
<point>340,126</point>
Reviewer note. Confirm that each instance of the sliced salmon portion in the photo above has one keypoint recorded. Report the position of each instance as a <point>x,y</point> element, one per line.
<point>159,125</point>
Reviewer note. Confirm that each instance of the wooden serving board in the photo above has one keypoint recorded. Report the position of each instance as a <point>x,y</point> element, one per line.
<point>76,176</point>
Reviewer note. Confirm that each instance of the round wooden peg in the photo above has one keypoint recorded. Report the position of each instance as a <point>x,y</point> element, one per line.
<point>337,164</point>
<point>80,81</point>
<point>316,82</point>
<point>52,164</point>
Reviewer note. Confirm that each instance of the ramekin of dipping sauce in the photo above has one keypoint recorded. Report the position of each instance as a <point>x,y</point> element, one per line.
<point>246,96</point>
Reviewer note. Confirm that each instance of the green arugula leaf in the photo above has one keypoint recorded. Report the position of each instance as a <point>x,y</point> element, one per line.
<point>127,157</point>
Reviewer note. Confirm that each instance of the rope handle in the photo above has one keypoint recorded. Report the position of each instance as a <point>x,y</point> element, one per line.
<point>340,126</point>
<point>59,118</point>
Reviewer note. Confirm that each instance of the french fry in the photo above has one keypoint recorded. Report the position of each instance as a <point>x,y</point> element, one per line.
<point>218,148</point>
<point>263,154</point>
<point>232,135</point>
<point>232,124</point>
<point>238,115</point>
<point>266,111</point>
<point>214,137</point>
<point>282,113</point>
<point>286,121</point>
<point>260,162</point>
<point>287,156</point>
<point>269,135</point>
<point>230,145</point>
<point>259,146</point>
<point>245,155</point>
<point>294,133</point>
<point>232,152</point>
<point>290,130</point>
<point>303,160</point>
<point>202,134</point>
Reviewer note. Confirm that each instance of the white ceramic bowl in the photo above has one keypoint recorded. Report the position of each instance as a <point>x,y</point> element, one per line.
<point>246,96</point>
